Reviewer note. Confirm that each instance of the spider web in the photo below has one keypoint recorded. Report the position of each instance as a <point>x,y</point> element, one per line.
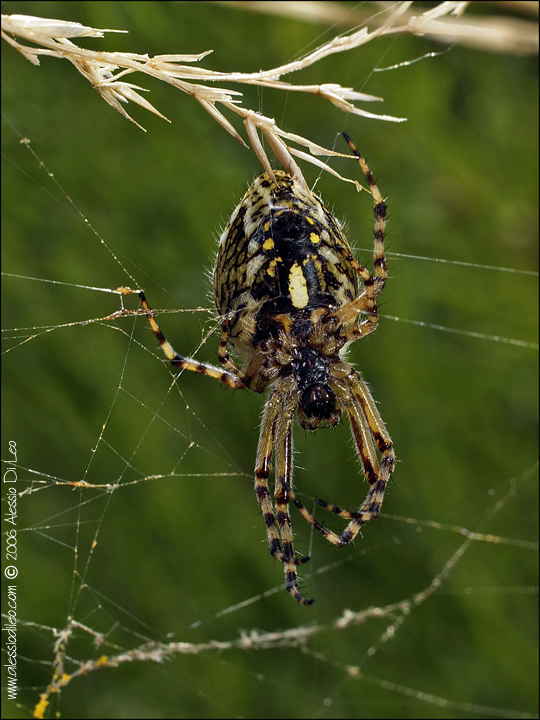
<point>144,578</point>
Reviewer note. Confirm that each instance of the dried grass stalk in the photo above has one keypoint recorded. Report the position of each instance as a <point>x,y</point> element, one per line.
<point>106,71</point>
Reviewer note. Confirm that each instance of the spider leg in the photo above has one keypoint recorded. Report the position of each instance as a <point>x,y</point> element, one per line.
<point>373,284</point>
<point>262,472</point>
<point>379,208</point>
<point>227,378</point>
<point>283,474</point>
<point>347,315</point>
<point>368,429</point>
<point>223,353</point>
<point>277,426</point>
<point>330,535</point>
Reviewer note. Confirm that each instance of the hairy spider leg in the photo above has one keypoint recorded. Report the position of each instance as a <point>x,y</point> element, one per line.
<point>366,302</point>
<point>276,436</point>
<point>227,378</point>
<point>367,429</point>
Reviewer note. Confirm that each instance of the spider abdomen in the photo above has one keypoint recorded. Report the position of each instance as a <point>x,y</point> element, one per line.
<point>282,253</point>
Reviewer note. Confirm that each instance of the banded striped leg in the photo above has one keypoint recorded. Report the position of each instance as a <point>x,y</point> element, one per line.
<point>347,315</point>
<point>283,476</point>
<point>276,427</point>
<point>223,352</point>
<point>227,378</point>
<point>379,208</point>
<point>373,284</point>
<point>368,429</point>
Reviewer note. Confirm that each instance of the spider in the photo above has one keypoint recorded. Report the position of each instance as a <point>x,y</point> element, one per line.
<point>290,298</point>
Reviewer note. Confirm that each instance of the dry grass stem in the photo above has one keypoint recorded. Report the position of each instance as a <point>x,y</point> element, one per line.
<point>496,33</point>
<point>106,71</point>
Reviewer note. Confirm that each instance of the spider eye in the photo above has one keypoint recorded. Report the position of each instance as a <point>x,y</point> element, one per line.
<point>318,403</point>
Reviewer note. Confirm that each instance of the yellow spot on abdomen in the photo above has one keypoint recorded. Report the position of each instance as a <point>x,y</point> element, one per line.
<point>298,286</point>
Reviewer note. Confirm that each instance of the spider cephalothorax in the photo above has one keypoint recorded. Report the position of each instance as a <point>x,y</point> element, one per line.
<point>290,297</point>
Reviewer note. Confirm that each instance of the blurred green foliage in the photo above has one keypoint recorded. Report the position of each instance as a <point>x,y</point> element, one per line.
<point>461,178</point>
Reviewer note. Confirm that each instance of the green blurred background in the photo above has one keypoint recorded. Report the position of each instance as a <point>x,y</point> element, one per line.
<point>175,551</point>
